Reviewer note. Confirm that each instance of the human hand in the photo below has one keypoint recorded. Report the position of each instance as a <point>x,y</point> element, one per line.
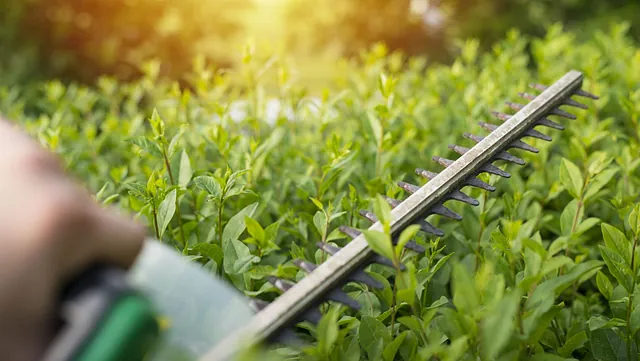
<point>50,230</point>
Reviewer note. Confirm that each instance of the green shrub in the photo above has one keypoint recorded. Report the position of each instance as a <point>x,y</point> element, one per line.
<point>544,269</point>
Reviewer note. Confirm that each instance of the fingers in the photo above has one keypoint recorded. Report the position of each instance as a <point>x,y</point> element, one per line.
<point>80,232</point>
<point>117,237</point>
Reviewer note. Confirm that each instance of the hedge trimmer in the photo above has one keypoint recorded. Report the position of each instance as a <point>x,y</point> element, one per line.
<point>104,319</point>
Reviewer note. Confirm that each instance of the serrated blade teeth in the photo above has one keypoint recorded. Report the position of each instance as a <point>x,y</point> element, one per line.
<point>458,149</point>
<point>567,101</point>
<point>424,225</point>
<point>526,96</point>
<point>488,126</point>
<point>536,134</point>
<point>442,161</point>
<point>445,212</point>
<point>392,202</point>
<point>280,284</point>
<point>368,215</point>
<point>548,123</point>
<point>307,267</point>
<point>459,196</point>
<point>475,138</point>
<point>363,277</point>
<point>585,94</point>
<point>529,132</point>
<point>508,157</point>
<point>313,315</point>
<point>385,262</point>
<point>573,103</point>
<point>501,116</point>
<point>514,106</point>
<point>329,248</point>
<point>335,295</point>
<point>288,337</point>
<point>258,304</point>
<point>429,228</point>
<point>339,296</point>
<point>490,168</point>
<point>425,173</point>
<point>539,87</point>
<point>412,245</point>
<point>408,187</point>
<point>524,146</point>
<point>351,232</point>
<point>475,182</point>
<point>562,113</point>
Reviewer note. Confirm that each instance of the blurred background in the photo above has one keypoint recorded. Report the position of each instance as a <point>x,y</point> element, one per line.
<point>79,40</point>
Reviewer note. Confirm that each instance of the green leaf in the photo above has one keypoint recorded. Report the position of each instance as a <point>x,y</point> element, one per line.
<point>391,349</point>
<point>209,250</point>
<point>405,237</point>
<point>604,285</point>
<point>317,203</point>
<point>549,289</point>
<point>600,322</point>
<point>336,215</point>
<point>156,123</point>
<point>618,267</point>
<point>573,343</point>
<point>606,345</point>
<point>352,352</point>
<point>634,320</point>
<point>465,294</point>
<point>242,264</point>
<point>320,221</point>
<point>413,323</point>
<point>568,217</point>
<point>598,182</point>
<point>148,146</point>
<point>335,234</point>
<point>236,224</point>
<point>235,251</point>
<point>185,173</point>
<point>586,225</point>
<point>498,327</point>
<point>210,185</point>
<point>376,127</point>
<point>166,210</point>
<point>616,241</point>
<point>271,231</point>
<point>255,229</point>
<point>634,220</point>
<point>373,336</point>
<point>328,331</point>
<point>382,210</point>
<point>380,243</point>
<point>571,178</point>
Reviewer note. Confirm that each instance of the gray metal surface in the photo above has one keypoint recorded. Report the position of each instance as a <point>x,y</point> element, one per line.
<point>326,276</point>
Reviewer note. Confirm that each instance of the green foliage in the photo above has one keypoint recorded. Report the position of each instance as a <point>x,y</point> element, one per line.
<point>545,268</point>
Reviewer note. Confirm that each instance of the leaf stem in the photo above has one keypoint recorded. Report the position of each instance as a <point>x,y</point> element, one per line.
<point>482,228</point>
<point>155,219</point>
<point>173,183</point>
<point>630,305</point>
<point>393,303</point>
<point>220,211</point>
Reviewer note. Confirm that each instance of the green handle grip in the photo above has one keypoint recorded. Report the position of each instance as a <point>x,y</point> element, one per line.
<point>103,319</point>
